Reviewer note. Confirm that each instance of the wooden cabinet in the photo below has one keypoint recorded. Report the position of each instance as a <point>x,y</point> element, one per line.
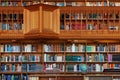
<point>41,19</point>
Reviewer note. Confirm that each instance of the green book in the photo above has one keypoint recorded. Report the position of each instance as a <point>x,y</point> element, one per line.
<point>69,58</point>
<point>12,78</point>
<point>88,48</point>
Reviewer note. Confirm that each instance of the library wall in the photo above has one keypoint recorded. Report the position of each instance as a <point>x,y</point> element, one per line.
<point>87,34</point>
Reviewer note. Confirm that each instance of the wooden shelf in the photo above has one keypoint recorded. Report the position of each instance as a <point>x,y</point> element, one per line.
<point>55,52</point>
<point>86,34</point>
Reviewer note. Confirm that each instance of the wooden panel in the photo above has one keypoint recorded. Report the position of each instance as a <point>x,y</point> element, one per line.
<point>34,20</point>
<point>47,21</point>
<point>31,19</point>
<point>56,21</point>
<point>73,34</point>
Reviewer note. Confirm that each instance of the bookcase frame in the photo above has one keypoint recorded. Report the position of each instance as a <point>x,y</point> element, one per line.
<point>55,36</point>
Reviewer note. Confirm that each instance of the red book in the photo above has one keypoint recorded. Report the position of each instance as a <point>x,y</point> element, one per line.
<point>112,66</point>
<point>77,25</point>
<point>83,27</point>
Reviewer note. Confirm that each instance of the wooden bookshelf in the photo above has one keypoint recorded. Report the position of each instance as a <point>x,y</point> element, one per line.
<point>51,39</point>
<point>83,22</point>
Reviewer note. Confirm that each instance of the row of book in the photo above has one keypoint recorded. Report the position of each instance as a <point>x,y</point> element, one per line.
<point>53,47</point>
<point>10,48</point>
<point>95,68</point>
<point>11,67</point>
<point>33,78</point>
<point>53,58</point>
<point>116,78</point>
<point>61,47</point>
<point>97,58</point>
<point>78,58</point>
<point>18,48</point>
<point>101,57</point>
<point>101,67</point>
<point>97,16</point>
<point>104,3</point>
<point>32,67</point>
<point>12,16</point>
<point>90,26</point>
<point>53,68</point>
<point>74,16</point>
<point>20,58</point>
<point>103,16</point>
<point>8,3</point>
<point>30,48</point>
<point>23,68</point>
<point>60,58</point>
<point>25,77</point>
<point>102,78</point>
<point>13,26</point>
<point>73,68</point>
<point>91,67</point>
<point>99,78</point>
<point>81,48</point>
<point>70,78</point>
<point>74,58</point>
<point>54,78</point>
<point>92,48</point>
<point>13,77</point>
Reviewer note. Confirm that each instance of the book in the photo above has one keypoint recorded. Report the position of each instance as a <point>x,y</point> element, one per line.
<point>101,57</point>
<point>4,26</point>
<point>59,58</point>
<point>97,67</point>
<point>88,48</point>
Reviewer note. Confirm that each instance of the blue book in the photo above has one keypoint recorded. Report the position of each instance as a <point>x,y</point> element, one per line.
<point>116,66</point>
<point>61,27</point>
<point>38,67</point>
<point>24,77</point>
<point>8,77</point>
<point>4,26</point>
<point>32,67</point>
<point>16,77</point>
<point>4,67</point>
<point>96,57</point>
<point>32,58</point>
<point>79,58</point>
<point>101,57</point>
<point>9,48</point>
<point>15,4</point>
<point>24,3</point>
<point>24,67</point>
<point>78,67</point>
